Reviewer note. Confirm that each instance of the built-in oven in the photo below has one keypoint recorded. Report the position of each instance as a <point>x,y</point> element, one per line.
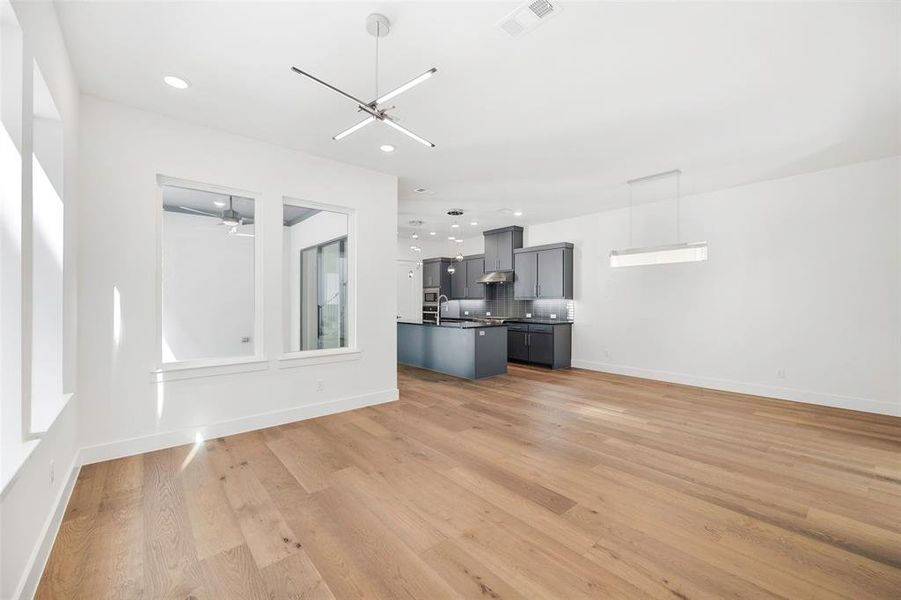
<point>430,304</point>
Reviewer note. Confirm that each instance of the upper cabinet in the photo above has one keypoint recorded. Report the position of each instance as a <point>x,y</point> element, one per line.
<point>475,267</point>
<point>543,272</point>
<point>464,284</point>
<point>435,275</point>
<point>499,247</point>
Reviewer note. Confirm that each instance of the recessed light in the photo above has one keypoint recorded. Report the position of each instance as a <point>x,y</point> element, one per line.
<point>451,238</point>
<point>517,213</point>
<point>459,240</point>
<point>219,203</point>
<point>505,211</point>
<point>433,232</point>
<point>455,225</point>
<point>474,223</point>
<point>415,236</point>
<point>176,82</point>
<point>386,148</point>
<point>420,190</point>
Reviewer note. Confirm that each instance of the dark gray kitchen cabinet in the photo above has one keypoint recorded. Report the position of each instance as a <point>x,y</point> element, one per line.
<point>551,273</point>
<point>541,348</point>
<point>435,275</point>
<point>543,272</point>
<point>517,346</point>
<point>463,281</point>
<point>525,278</point>
<point>475,267</point>
<point>499,247</point>
<point>542,344</point>
<point>458,281</point>
<point>430,274</point>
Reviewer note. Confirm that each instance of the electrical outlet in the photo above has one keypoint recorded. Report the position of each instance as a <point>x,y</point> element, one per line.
<point>320,385</point>
<point>466,313</point>
<point>487,314</point>
<point>52,472</point>
<point>553,315</point>
<point>780,373</point>
<point>528,315</point>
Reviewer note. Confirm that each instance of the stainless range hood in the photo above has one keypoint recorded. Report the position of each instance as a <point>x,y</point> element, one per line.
<point>496,277</point>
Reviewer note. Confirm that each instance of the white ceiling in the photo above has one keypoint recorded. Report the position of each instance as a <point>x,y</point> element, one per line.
<point>552,123</point>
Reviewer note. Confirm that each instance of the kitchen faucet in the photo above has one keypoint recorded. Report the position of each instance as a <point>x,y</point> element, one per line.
<point>438,314</point>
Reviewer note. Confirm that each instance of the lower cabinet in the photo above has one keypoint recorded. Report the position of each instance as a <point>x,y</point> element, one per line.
<point>549,345</point>
<point>517,344</point>
<point>541,348</point>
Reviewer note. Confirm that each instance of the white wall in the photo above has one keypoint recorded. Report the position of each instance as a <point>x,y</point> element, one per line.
<point>122,151</point>
<point>803,278</point>
<point>208,289</point>
<point>30,503</point>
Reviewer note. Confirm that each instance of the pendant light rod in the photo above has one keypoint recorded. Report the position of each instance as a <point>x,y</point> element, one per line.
<point>678,206</point>
<point>631,218</point>
<point>378,34</point>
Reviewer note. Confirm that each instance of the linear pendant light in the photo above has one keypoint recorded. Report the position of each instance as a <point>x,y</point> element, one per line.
<point>678,252</point>
<point>659,255</point>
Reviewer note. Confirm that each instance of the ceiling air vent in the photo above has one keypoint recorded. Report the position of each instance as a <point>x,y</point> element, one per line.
<point>528,16</point>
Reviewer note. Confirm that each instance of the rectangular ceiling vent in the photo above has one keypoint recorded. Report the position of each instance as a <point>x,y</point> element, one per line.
<point>528,16</point>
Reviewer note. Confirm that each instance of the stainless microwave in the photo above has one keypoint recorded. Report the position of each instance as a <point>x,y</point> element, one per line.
<point>430,296</point>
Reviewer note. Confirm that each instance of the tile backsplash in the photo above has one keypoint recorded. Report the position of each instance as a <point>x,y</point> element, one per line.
<point>500,303</point>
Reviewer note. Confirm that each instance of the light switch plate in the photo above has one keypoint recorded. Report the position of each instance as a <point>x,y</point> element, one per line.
<point>528,315</point>
<point>487,314</point>
<point>465,312</point>
<point>553,315</point>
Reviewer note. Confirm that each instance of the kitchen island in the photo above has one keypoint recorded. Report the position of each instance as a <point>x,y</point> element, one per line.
<point>462,348</point>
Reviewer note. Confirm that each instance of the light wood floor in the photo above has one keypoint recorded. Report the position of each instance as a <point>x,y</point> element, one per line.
<point>569,485</point>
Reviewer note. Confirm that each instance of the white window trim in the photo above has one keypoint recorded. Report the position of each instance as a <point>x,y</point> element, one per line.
<point>307,358</point>
<point>257,361</point>
<point>207,368</point>
<point>310,357</point>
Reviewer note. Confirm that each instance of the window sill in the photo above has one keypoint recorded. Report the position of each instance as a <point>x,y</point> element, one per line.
<point>207,368</point>
<point>308,358</point>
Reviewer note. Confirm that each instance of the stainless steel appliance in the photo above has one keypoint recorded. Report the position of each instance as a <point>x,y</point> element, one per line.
<point>430,296</point>
<point>430,304</point>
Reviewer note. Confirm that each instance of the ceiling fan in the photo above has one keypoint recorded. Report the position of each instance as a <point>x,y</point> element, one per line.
<point>378,26</point>
<point>230,218</point>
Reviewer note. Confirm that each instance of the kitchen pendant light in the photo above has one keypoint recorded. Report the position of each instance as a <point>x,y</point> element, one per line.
<point>457,258</point>
<point>678,252</point>
<point>659,255</point>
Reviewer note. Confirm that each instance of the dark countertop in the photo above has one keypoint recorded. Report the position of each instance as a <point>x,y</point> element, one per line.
<point>454,324</point>
<point>513,320</point>
<point>540,321</point>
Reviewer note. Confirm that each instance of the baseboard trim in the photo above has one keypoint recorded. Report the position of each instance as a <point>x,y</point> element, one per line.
<point>168,439</point>
<point>754,389</point>
<point>38,559</point>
